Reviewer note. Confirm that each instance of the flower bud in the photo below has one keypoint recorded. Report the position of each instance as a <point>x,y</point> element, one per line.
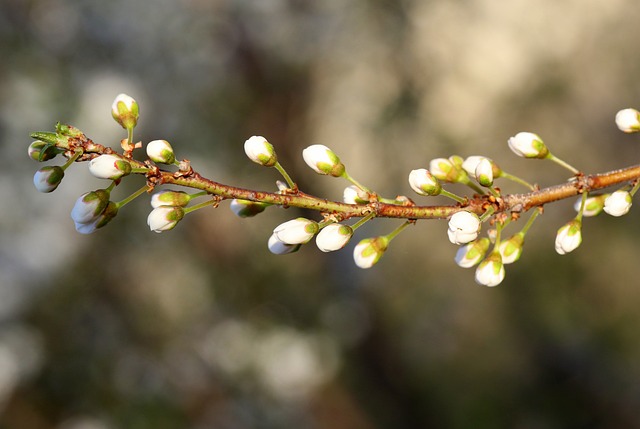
<point>170,198</point>
<point>569,237</point>
<point>354,195</point>
<point>484,172</point>
<point>464,227</point>
<point>109,167</point>
<point>125,111</point>
<point>277,247</point>
<point>528,145</point>
<point>323,160</point>
<point>628,120</point>
<point>472,253</point>
<point>160,151</point>
<point>260,151</point>
<point>48,178</point>
<point>164,218</point>
<point>369,251</point>
<point>110,211</point>
<point>423,182</point>
<point>490,272</point>
<point>333,237</point>
<point>246,208</point>
<point>618,203</point>
<point>471,163</point>
<point>511,249</point>
<point>593,206</point>
<point>296,231</point>
<point>42,151</point>
<point>89,206</point>
<point>444,169</point>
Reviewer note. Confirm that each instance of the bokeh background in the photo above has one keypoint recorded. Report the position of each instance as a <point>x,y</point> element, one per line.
<point>202,327</point>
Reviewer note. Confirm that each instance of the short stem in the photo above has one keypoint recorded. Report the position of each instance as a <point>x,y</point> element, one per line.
<point>486,215</point>
<point>635,188</point>
<point>517,180</point>
<point>473,186</point>
<point>582,204</point>
<point>534,215</point>
<point>133,196</point>
<point>77,154</point>
<point>200,206</point>
<point>452,196</point>
<point>285,175</point>
<point>138,170</point>
<point>130,135</point>
<point>398,230</point>
<point>362,221</point>
<point>499,227</point>
<point>493,191</point>
<point>355,182</point>
<point>560,162</point>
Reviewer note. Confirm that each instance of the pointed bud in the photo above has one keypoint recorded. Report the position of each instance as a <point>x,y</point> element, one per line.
<point>464,227</point>
<point>593,206</point>
<point>472,253</point>
<point>618,203</point>
<point>48,178</point>
<point>277,247</point>
<point>490,272</point>
<point>369,251</point>
<point>569,237</point>
<point>160,151</point>
<point>89,206</point>
<point>423,182</point>
<point>246,208</point>
<point>323,161</point>
<point>260,151</point>
<point>109,167</point>
<point>296,231</point>
<point>333,237</point>
<point>170,198</point>
<point>484,172</point>
<point>628,120</point>
<point>528,145</point>
<point>125,111</point>
<point>164,218</point>
<point>354,195</point>
<point>511,249</point>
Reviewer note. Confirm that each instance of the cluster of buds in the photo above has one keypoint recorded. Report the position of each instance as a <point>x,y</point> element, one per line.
<point>486,205</point>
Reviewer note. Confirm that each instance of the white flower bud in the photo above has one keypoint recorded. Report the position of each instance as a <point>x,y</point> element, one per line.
<point>443,169</point>
<point>528,145</point>
<point>245,208</point>
<point>109,167</point>
<point>569,237</point>
<point>160,151</point>
<point>277,247</point>
<point>296,231</point>
<point>125,111</point>
<point>369,251</point>
<point>593,206</point>
<point>354,195</point>
<point>333,237</point>
<point>511,249</point>
<point>464,227</point>
<point>424,183</point>
<point>490,272</point>
<point>323,161</point>
<point>628,120</point>
<point>110,211</point>
<point>471,163</point>
<point>164,218</point>
<point>89,206</point>
<point>484,172</point>
<point>170,198</point>
<point>48,178</point>
<point>42,151</point>
<point>472,253</point>
<point>618,203</point>
<point>260,151</point>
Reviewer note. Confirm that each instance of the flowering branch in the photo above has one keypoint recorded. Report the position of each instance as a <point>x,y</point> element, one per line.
<point>486,204</point>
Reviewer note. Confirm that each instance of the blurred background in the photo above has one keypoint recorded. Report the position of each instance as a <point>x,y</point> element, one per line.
<point>202,327</point>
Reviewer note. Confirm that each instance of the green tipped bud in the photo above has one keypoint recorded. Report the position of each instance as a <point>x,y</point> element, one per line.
<point>170,198</point>
<point>323,160</point>
<point>245,208</point>
<point>109,167</point>
<point>368,252</point>
<point>569,237</point>
<point>490,272</point>
<point>164,218</point>
<point>424,183</point>
<point>528,145</point>
<point>48,178</point>
<point>296,231</point>
<point>125,111</point>
<point>472,253</point>
<point>511,249</point>
<point>41,151</point>
<point>260,151</point>
<point>160,151</point>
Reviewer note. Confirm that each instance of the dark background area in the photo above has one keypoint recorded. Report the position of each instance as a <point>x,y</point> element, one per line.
<point>202,327</point>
